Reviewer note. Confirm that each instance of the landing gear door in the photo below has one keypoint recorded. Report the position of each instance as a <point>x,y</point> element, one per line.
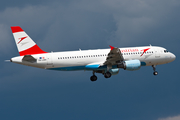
<point>157,53</point>
<point>49,60</point>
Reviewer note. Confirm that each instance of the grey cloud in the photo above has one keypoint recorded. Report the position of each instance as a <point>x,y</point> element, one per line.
<point>5,40</point>
<point>61,23</point>
<point>121,23</point>
<point>171,118</point>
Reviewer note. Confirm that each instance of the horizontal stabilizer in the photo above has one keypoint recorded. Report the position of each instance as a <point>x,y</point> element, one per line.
<point>29,58</point>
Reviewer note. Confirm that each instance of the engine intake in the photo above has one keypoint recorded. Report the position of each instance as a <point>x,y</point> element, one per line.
<point>130,65</point>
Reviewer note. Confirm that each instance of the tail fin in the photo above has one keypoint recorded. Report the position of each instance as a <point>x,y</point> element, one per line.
<point>25,45</point>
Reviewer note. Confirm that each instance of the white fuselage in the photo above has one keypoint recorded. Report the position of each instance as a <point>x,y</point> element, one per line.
<point>105,61</point>
<point>77,60</point>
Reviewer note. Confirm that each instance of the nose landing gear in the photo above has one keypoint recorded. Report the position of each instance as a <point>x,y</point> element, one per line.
<point>154,68</point>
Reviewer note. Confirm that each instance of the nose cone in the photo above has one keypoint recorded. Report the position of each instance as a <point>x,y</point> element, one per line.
<point>173,57</point>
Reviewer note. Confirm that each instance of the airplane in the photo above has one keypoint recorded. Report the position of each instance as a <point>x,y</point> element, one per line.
<point>104,61</point>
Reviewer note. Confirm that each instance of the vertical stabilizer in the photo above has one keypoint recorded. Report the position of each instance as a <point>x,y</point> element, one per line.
<point>25,45</point>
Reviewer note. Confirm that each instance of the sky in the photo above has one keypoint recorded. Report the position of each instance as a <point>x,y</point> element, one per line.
<point>28,93</point>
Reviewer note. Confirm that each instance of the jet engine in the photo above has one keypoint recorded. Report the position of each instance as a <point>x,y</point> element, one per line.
<point>130,65</point>
<point>114,71</point>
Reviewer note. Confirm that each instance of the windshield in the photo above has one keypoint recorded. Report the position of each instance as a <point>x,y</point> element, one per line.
<point>165,51</point>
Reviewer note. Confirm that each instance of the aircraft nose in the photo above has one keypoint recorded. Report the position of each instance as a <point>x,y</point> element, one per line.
<point>173,57</point>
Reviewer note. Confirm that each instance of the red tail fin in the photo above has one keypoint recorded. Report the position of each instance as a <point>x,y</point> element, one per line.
<point>25,45</point>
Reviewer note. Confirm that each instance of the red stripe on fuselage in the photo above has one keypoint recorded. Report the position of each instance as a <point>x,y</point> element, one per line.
<point>16,29</point>
<point>33,50</point>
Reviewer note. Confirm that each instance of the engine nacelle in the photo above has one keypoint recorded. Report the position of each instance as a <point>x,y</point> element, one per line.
<point>130,65</point>
<point>114,71</point>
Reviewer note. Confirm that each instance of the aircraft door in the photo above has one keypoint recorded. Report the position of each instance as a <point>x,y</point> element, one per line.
<point>157,53</point>
<point>49,60</point>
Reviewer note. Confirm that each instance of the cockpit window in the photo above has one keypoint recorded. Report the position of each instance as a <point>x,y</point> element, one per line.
<point>165,51</point>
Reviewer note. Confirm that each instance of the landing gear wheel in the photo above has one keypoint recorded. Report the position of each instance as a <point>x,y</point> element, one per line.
<point>107,75</point>
<point>93,78</point>
<point>154,68</point>
<point>155,73</point>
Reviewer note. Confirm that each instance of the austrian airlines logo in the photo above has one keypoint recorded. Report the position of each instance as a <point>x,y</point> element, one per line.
<point>21,39</point>
<point>144,50</point>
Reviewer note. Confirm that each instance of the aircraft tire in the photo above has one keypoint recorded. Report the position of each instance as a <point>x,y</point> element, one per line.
<point>107,75</point>
<point>93,78</point>
<point>155,73</point>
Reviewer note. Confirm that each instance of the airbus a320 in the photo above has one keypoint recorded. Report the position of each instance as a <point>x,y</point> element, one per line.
<point>104,61</point>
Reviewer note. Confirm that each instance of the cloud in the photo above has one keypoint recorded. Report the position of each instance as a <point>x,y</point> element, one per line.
<point>120,23</point>
<point>171,118</point>
<point>5,40</point>
<point>136,22</point>
<point>30,18</point>
<point>137,19</point>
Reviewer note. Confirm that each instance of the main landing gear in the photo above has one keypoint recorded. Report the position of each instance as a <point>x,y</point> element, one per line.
<point>107,74</point>
<point>94,77</point>
<point>154,68</point>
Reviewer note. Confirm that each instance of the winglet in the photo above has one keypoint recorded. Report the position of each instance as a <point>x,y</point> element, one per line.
<point>111,47</point>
